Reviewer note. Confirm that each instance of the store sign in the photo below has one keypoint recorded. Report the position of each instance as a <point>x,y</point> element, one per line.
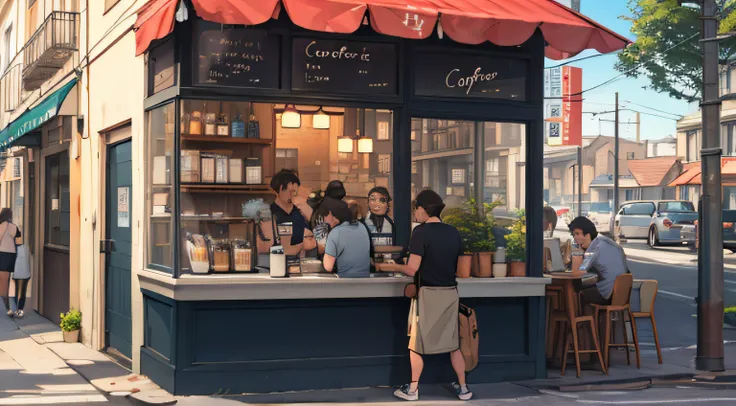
<point>239,57</point>
<point>440,74</point>
<point>572,106</point>
<point>335,66</point>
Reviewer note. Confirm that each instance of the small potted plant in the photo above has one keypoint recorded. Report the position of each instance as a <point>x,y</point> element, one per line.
<point>478,241</point>
<point>70,324</point>
<point>729,316</point>
<point>516,247</point>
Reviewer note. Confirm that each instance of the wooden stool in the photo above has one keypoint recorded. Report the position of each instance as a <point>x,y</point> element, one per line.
<point>620,299</point>
<point>573,340</point>
<point>647,295</point>
<point>555,302</point>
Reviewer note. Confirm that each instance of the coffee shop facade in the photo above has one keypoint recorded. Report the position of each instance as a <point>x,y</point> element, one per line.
<point>374,95</point>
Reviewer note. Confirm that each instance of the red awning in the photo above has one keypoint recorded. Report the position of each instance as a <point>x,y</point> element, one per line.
<point>693,171</point>
<point>502,22</point>
<point>155,21</point>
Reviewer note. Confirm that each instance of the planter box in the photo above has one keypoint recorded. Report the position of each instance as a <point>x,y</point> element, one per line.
<point>71,336</point>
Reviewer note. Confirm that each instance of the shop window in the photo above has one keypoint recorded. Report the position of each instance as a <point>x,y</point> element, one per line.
<point>57,200</point>
<point>161,67</point>
<point>729,198</point>
<point>159,184</point>
<point>458,176</point>
<point>693,146</point>
<point>231,150</point>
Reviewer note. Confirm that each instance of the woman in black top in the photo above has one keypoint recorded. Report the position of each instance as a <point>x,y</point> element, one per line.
<point>434,251</point>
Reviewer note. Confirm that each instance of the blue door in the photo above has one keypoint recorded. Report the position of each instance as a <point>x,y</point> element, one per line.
<point>118,321</point>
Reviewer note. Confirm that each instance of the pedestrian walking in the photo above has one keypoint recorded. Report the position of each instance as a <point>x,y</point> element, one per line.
<point>8,254</point>
<point>434,249</point>
<point>21,277</point>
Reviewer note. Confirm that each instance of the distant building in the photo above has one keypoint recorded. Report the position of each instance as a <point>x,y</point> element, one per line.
<point>573,4</point>
<point>663,147</point>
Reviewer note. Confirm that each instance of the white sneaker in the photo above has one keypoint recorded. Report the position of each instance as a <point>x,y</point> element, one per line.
<point>463,393</point>
<point>10,314</point>
<point>404,393</point>
<point>19,314</point>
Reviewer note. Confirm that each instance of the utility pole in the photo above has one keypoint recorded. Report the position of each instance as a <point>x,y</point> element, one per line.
<point>615,171</point>
<point>638,127</point>
<point>710,255</point>
<point>580,181</point>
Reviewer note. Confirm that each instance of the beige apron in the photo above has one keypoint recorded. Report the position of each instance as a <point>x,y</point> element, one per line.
<point>432,326</point>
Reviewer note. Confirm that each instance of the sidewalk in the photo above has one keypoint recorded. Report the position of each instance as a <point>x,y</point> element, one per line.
<point>37,367</point>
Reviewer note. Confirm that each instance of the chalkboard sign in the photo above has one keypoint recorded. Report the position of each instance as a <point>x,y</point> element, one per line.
<point>470,76</point>
<point>240,57</point>
<point>335,66</point>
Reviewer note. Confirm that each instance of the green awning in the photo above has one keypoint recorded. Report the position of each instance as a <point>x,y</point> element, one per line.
<point>36,116</point>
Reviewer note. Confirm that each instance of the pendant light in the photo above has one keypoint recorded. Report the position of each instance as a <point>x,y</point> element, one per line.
<point>320,120</point>
<point>365,145</point>
<point>345,145</point>
<point>291,118</point>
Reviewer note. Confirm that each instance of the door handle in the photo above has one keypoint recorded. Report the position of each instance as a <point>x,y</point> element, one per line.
<point>107,246</point>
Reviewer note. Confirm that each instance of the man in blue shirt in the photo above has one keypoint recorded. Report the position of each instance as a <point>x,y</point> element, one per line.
<point>603,257</point>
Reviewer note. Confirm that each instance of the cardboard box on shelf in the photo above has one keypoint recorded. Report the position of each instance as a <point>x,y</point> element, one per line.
<point>208,168</point>
<point>190,163</point>
<point>236,170</point>
<point>161,170</point>
<point>221,169</point>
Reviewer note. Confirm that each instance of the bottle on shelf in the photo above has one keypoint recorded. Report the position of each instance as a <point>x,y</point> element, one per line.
<point>254,129</point>
<point>222,126</point>
<point>195,123</point>
<point>210,124</point>
<point>238,127</point>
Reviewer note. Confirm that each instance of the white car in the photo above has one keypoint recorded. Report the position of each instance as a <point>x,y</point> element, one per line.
<point>600,214</point>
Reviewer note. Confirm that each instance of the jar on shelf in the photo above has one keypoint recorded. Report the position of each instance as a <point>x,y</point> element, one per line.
<point>222,126</point>
<point>243,258</point>
<point>220,255</point>
<point>210,124</point>
<point>195,123</point>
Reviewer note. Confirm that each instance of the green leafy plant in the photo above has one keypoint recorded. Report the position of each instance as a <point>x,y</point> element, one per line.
<point>516,240</point>
<point>71,321</point>
<point>730,310</point>
<point>474,227</point>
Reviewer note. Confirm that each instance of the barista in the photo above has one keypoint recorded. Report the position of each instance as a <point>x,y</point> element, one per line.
<point>377,220</point>
<point>290,213</point>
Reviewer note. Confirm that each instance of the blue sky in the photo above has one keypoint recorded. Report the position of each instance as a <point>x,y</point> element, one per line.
<point>600,69</point>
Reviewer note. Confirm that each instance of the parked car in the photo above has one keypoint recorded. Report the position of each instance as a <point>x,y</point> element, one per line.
<point>600,214</point>
<point>659,222</point>
<point>690,232</point>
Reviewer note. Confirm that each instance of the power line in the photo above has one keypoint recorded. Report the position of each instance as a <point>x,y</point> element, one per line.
<point>576,60</point>
<point>652,108</point>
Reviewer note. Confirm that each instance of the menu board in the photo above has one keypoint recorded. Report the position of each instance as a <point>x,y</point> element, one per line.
<point>240,57</point>
<point>338,66</point>
<point>470,76</point>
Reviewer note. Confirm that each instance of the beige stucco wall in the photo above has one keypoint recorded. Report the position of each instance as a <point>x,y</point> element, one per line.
<point>110,103</point>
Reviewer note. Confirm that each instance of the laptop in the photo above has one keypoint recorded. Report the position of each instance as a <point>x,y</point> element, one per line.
<point>553,256</point>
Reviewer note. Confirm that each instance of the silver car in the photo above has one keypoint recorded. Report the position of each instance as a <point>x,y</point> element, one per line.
<point>656,221</point>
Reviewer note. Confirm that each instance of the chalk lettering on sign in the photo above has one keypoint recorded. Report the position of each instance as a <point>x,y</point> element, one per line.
<point>468,81</point>
<point>313,51</point>
<point>414,22</point>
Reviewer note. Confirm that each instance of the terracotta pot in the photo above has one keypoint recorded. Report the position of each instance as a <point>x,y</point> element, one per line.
<point>71,336</point>
<point>482,262</point>
<point>464,265</point>
<point>500,270</point>
<point>517,269</point>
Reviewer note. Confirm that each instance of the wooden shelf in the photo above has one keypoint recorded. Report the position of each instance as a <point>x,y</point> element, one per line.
<point>224,188</point>
<point>226,140</point>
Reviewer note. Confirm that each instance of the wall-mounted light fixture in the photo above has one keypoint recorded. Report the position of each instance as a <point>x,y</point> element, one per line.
<point>320,120</point>
<point>291,118</point>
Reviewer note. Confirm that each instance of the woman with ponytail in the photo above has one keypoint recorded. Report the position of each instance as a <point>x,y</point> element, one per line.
<point>434,249</point>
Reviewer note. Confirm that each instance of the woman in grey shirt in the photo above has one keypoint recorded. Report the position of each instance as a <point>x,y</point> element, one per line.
<point>347,250</point>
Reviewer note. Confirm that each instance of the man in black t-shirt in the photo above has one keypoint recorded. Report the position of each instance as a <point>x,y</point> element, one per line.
<point>439,245</point>
<point>289,208</point>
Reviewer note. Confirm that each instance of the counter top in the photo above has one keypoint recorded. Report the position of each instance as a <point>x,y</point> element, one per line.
<point>263,287</point>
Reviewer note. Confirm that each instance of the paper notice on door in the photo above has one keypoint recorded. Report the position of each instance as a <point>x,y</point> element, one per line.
<point>124,207</point>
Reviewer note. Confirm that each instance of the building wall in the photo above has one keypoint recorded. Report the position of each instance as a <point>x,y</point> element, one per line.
<point>112,100</point>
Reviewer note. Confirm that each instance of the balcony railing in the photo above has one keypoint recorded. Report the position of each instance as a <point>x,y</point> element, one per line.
<point>50,48</point>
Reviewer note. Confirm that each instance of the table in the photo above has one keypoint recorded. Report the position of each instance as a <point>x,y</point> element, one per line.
<point>572,305</point>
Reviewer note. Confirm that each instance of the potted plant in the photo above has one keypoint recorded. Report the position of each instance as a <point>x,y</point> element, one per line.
<point>516,247</point>
<point>729,316</point>
<point>478,241</point>
<point>70,324</point>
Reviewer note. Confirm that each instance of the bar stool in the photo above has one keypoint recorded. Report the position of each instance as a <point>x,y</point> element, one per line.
<point>620,299</point>
<point>555,302</point>
<point>647,295</point>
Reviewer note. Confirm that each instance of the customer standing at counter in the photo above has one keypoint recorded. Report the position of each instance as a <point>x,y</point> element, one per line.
<point>348,244</point>
<point>435,248</point>
<point>290,211</point>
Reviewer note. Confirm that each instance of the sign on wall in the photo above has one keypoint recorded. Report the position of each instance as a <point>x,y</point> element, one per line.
<point>239,57</point>
<point>470,76</point>
<point>338,66</point>
<point>564,114</point>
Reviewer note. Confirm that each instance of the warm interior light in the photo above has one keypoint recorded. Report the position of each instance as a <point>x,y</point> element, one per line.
<point>365,145</point>
<point>345,145</point>
<point>321,121</point>
<point>290,118</point>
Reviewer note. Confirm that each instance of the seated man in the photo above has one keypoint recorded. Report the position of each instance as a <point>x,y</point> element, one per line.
<point>603,257</point>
